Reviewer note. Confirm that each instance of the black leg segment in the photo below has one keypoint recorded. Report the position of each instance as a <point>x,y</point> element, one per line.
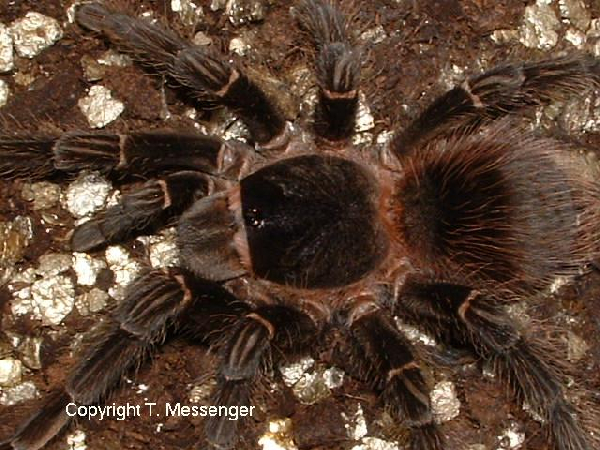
<point>208,74</point>
<point>500,91</point>
<point>520,358</point>
<point>152,202</point>
<point>153,303</point>
<point>392,370</point>
<point>248,350</point>
<point>337,67</point>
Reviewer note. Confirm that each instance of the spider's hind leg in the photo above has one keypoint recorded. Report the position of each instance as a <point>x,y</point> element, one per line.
<point>209,75</point>
<point>154,303</point>
<point>247,351</point>
<point>388,363</point>
<point>337,67</point>
<point>520,359</point>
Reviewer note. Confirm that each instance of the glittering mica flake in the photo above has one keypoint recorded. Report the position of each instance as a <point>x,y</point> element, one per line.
<point>33,33</point>
<point>311,382</point>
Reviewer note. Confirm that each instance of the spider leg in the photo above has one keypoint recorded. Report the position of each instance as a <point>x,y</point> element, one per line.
<point>140,152</point>
<point>524,362</point>
<point>136,210</point>
<point>393,370</point>
<point>248,350</point>
<point>337,68</point>
<point>154,302</point>
<point>209,75</point>
<point>500,91</point>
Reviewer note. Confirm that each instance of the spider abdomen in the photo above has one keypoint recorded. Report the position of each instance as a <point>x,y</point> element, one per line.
<point>496,207</point>
<point>311,221</point>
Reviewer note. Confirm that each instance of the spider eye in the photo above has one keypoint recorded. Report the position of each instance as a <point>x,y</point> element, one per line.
<point>254,218</point>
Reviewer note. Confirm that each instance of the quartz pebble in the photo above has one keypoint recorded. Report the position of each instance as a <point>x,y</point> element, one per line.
<point>99,107</point>
<point>34,33</point>
<point>445,404</point>
<point>87,194</point>
<point>7,59</point>
<point>11,371</point>
<point>3,93</point>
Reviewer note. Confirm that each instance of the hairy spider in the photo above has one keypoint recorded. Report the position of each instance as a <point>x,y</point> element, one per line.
<point>284,241</point>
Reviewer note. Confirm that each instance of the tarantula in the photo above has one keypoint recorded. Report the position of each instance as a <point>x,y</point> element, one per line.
<point>283,241</point>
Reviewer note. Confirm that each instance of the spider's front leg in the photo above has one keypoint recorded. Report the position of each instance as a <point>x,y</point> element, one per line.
<point>209,75</point>
<point>136,153</point>
<point>337,67</point>
<point>389,364</point>
<point>246,353</point>
<point>499,91</point>
<point>193,163</point>
<point>521,360</point>
<point>154,303</point>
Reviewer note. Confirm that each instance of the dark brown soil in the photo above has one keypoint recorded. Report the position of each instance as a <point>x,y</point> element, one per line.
<point>424,38</point>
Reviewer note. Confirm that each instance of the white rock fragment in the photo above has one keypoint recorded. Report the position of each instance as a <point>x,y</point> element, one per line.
<point>43,194</point>
<point>576,13</point>
<point>53,298</point>
<point>333,377</point>
<point>141,388</point>
<point>581,115</point>
<point>238,46</point>
<point>87,268</point>
<point>216,5</point>
<point>189,12</point>
<point>414,334</point>
<point>374,35</point>
<point>445,404</point>
<point>373,443</point>
<point>99,107</point>
<point>162,249</point>
<point>244,11</point>
<point>76,441</point>
<point>87,194</point>
<point>452,75</point>
<point>71,12</point>
<point>122,264</point>
<point>91,302</point>
<point>113,58</point>
<point>52,264</point>
<point>11,371</point>
<point>7,58</point>
<point>511,438</point>
<point>34,33</point>
<point>540,26</point>
<point>384,138</point>
<point>501,37</point>
<point>278,437</point>
<point>26,276</point>
<point>201,38</point>
<point>292,373</point>
<point>364,119</point>
<point>48,299</point>
<point>20,393</point>
<point>30,352</point>
<point>356,425</point>
<point>575,37</point>
<point>310,382</point>
<point>3,93</point>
